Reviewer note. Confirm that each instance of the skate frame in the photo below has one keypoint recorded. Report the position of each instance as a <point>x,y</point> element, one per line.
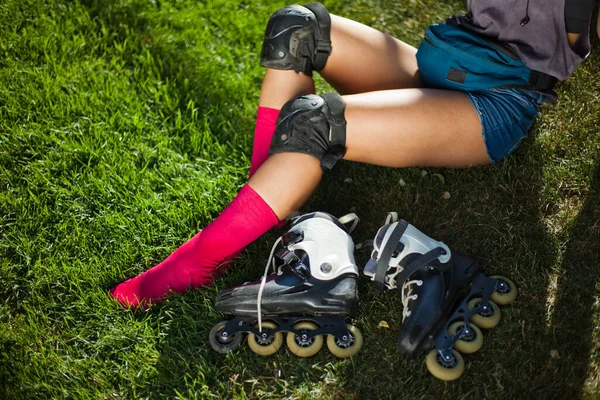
<point>328,325</point>
<point>483,287</point>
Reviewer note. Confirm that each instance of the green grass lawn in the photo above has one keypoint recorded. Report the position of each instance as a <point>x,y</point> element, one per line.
<point>126,126</point>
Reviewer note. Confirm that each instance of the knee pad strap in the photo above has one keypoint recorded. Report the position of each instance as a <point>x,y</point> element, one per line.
<point>313,125</point>
<point>297,38</point>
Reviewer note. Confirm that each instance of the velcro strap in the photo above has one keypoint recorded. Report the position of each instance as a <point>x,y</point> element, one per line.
<point>337,130</point>
<point>323,46</point>
<point>305,66</point>
<point>322,53</point>
<point>386,254</point>
<point>323,40</point>
<point>421,262</point>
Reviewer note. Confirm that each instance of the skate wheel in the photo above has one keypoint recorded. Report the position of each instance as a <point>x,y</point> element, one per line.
<point>301,346</point>
<point>219,343</point>
<point>505,293</point>
<point>266,346</point>
<point>485,319</point>
<point>346,348</point>
<point>467,344</point>
<point>445,370</point>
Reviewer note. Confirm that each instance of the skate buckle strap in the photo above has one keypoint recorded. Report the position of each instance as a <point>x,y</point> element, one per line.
<point>421,262</point>
<point>295,263</point>
<point>386,254</point>
<point>300,270</point>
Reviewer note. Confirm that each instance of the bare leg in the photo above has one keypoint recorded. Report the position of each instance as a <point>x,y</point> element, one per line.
<point>363,59</point>
<point>396,128</point>
<point>286,180</point>
<point>414,127</point>
<point>279,87</point>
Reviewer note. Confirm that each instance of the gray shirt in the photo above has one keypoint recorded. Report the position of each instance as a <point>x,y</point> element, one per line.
<point>534,28</point>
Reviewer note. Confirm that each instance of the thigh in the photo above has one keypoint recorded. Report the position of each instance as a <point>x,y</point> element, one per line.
<point>414,127</point>
<point>364,59</point>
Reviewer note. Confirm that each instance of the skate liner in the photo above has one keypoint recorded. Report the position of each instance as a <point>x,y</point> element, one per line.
<point>309,295</point>
<point>446,298</point>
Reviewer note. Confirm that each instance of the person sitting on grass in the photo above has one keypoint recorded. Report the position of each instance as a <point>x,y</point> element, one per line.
<point>466,97</point>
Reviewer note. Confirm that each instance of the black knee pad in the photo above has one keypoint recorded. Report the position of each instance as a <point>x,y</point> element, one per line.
<point>313,125</point>
<point>297,38</point>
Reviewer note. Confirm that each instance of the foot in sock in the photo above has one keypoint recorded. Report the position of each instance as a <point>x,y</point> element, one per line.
<point>183,269</point>
<point>196,263</point>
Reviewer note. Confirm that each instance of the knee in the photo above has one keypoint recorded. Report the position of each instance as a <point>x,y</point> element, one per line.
<point>313,125</point>
<point>297,38</point>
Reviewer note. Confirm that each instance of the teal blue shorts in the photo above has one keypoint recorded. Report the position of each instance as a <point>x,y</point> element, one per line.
<point>506,116</point>
<point>451,59</point>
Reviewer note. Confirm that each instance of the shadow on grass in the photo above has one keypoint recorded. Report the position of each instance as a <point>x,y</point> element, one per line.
<point>575,308</point>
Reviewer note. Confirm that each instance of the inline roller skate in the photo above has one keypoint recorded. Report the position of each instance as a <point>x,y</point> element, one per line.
<point>446,298</point>
<point>309,295</point>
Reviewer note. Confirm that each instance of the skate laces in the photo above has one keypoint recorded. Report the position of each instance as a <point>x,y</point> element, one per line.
<point>407,295</point>
<point>264,279</point>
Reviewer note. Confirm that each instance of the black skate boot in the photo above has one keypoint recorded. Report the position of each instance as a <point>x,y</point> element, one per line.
<point>442,293</point>
<point>311,293</point>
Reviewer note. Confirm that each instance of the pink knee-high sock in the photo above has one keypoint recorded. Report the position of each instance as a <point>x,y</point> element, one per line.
<point>266,119</point>
<point>194,264</point>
